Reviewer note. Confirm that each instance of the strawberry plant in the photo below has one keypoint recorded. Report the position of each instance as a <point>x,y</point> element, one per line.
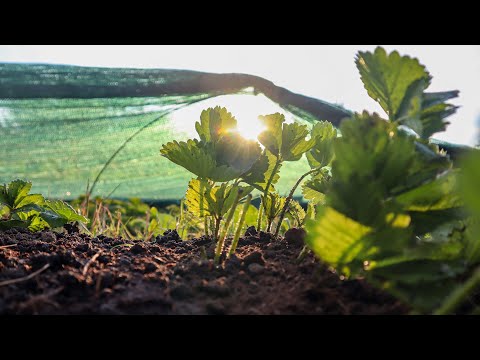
<point>18,208</point>
<point>391,211</point>
<point>221,160</point>
<point>319,157</point>
<point>282,142</point>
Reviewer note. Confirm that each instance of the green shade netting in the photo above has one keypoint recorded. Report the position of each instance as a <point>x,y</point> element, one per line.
<point>60,125</point>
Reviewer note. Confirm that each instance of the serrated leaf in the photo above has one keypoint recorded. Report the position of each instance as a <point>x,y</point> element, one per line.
<point>10,224</point>
<point>438,194</point>
<point>262,170</point>
<point>273,204</point>
<point>372,159</point>
<point>388,77</point>
<point>196,200</point>
<point>198,158</point>
<point>315,188</point>
<point>435,111</point>
<point>294,144</point>
<point>37,223</point>
<point>214,122</point>
<point>322,153</point>
<point>204,199</point>
<point>336,239</point>
<point>296,212</point>
<point>271,137</point>
<point>32,199</point>
<point>237,152</point>
<point>31,220</point>
<point>411,107</point>
<point>13,193</point>
<point>311,213</point>
<point>64,211</point>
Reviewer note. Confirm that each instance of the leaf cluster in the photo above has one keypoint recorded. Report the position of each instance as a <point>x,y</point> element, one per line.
<point>18,208</point>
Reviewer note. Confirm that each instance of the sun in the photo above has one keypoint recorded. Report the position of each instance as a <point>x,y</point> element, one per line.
<point>250,127</point>
<point>245,108</point>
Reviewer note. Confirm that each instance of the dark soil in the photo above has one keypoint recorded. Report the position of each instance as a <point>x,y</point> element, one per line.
<point>71,273</point>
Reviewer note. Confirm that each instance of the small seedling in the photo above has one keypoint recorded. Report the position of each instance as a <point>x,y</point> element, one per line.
<point>33,211</point>
<point>221,160</point>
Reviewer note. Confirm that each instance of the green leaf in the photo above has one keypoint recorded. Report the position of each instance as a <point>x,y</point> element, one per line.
<point>435,111</point>
<point>273,205</point>
<point>13,193</point>
<point>198,158</point>
<point>236,152</point>
<point>287,141</point>
<point>215,122</point>
<point>388,77</point>
<point>311,213</point>
<point>337,239</point>
<point>294,144</point>
<point>37,223</point>
<point>411,107</point>
<point>196,200</point>
<point>262,170</point>
<point>425,222</point>
<point>161,222</point>
<point>470,190</point>
<point>315,188</point>
<point>372,159</point>
<point>33,199</point>
<point>10,224</point>
<point>32,220</point>
<point>296,212</point>
<point>204,199</point>
<point>470,181</point>
<point>271,137</point>
<point>64,211</point>
<point>438,194</point>
<point>472,238</point>
<point>322,153</point>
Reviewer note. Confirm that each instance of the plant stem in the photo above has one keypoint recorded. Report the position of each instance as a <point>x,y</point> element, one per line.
<point>221,240</point>
<point>290,197</point>
<point>234,244</point>
<point>302,254</point>
<point>265,193</point>
<point>217,228</point>
<point>205,225</point>
<point>260,214</point>
<point>459,295</point>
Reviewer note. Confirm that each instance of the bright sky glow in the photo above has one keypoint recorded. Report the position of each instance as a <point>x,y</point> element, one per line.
<point>326,72</point>
<point>245,108</point>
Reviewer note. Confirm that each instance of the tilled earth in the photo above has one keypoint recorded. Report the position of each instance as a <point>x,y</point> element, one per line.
<point>62,273</point>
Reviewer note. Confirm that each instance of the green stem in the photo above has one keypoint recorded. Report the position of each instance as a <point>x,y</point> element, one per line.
<point>459,295</point>
<point>302,254</point>
<point>234,244</point>
<point>290,197</point>
<point>267,188</point>
<point>217,228</point>
<point>180,220</point>
<point>221,240</point>
<point>260,214</point>
<point>205,225</point>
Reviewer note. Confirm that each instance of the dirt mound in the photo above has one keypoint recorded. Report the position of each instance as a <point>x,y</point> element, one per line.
<point>57,273</point>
